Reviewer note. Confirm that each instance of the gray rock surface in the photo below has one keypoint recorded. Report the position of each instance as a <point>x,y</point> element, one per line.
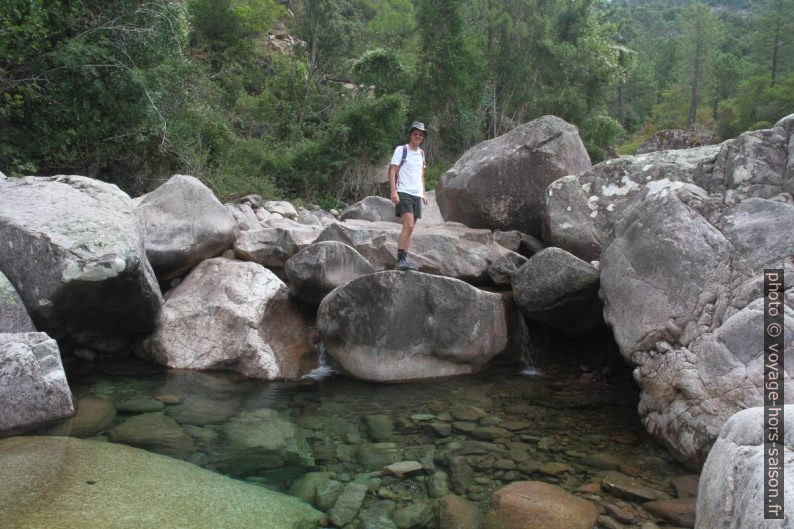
<point>33,387</point>
<point>184,224</point>
<point>499,183</point>
<point>731,490</point>
<point>321,267</point>
<point>503,269</point>
<point>377,209</point>
<point>395,326</point>
<point>683,292</point>
<point>72,248</point>
<point>559,289</point>
<point>276,242</point>
<point>451,250</point>
<point>13,314</point>
<point>231,315</point>
<point>245,216</point>
<point>581,209</point>
<point>155,432</point>
<point>72,484</point>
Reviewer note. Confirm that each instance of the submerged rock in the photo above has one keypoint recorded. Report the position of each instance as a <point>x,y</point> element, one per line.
<point>184,224</point>
<point>72,484</point>
<point>155,432</point>
<point>73,248</point>
<point>395,326</point>
<point>33,387</point>
<point>223,298</point>
<point>537,505</point>
<point>92,416</point>
<point>731,491</point>
<point>263,439</point>
<point>499,183</point>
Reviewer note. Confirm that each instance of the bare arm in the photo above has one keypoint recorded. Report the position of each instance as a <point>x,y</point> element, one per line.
<point>393,183</point>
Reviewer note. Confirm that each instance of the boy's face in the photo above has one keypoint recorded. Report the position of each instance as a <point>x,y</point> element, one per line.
<point>417,137</point>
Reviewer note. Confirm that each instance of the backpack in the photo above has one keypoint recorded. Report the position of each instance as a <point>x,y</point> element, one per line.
<point>402,161</point>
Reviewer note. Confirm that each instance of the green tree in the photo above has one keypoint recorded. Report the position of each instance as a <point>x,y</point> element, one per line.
<point>773,29</point>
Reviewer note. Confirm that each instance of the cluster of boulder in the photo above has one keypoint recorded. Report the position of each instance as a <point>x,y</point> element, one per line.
<point>667,248</point>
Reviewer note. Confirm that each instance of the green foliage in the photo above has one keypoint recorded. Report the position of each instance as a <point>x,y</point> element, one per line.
<point>598,134</point>
<point>757,104</point>
<point>382,69</point>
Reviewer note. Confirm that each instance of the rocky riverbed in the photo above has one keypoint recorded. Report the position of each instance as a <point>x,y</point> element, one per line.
<point>425,454</point>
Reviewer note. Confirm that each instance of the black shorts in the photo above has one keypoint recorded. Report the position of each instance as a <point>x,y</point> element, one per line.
<point>408,204</point>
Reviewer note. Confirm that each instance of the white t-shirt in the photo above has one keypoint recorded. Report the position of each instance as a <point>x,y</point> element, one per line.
<point>409,176</point>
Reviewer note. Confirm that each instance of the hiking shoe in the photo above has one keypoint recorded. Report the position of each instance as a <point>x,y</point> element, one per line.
<point>403,264</point>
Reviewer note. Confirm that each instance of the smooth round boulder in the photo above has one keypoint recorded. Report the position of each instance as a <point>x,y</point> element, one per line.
<point>559,289</point>
<point>184,224</point>
<point>396,326</point>
<point>73,248</point>
<point>318,269</point>
<point>538,505</point>
<point>33,387</point>
<point>499,183</point>
<point>231,315</point>
<point>731,490</point>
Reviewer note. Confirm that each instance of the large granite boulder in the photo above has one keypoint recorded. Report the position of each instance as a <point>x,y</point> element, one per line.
<point>73,249</point>
<point>376,209</point>
<point>184,224</point>
<point>538,505</point>
<point>232,315</point>
<point>318,269</point>
<point>683,292</point>
<point>731,490</point>
<point>244,216</point>
<point>581,209</point>
<point>72,484</point>
<point>13,315</point>
<point>397,326</point>
<point>276,242</point>
<point>559,289</point>
<point>753,165</point>
<point>451,250</point>
<point>33,387</point>
<point>499,183</point>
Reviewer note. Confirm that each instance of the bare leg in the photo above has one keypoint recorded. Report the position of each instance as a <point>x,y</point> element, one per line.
<point>408,228</point>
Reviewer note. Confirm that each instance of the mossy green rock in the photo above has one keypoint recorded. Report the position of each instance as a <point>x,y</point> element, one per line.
<point>73,484</point>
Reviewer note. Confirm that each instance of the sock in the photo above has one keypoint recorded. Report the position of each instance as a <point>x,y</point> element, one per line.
<point>401,254</point>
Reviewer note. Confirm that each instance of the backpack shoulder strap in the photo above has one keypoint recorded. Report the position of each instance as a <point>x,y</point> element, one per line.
<point>405,155</point>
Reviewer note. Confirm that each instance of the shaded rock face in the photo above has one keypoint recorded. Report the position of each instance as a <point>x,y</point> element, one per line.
<point>538,505</point>
<point>231,315</point>
<point>273,244</point>
<point>672,139</point>
<point>731,490</point>
<point>376,209</point>
<point>318,269</point>
<point>72,248</point>
<point>581,209</point>
<point>244,216</point>
<point>184,224</point>
<point>449,250</point>
<point>395,326</point>
<point>33,387</point>
<point>559,289</point>
<point>13,315</point>
<point>683,292</point>
<point>49,481</point>
<point>499,183</point>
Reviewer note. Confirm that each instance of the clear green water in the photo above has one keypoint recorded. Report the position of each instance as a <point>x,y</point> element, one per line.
<point>558,430</point>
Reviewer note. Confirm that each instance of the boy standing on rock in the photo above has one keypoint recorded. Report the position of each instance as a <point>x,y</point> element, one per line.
<point>407,183</point>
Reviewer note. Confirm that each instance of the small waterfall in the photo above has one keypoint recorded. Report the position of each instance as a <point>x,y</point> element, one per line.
<point>527,363</point>
<point>324,370</point>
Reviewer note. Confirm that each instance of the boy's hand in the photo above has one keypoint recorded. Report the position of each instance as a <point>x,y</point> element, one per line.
<point>425,200</point>
<point>395,197</point>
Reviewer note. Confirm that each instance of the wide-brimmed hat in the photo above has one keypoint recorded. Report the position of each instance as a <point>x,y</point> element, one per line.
<point>418,125</point>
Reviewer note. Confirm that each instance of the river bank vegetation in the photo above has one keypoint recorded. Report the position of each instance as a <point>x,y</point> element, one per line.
<point>306,98</point>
